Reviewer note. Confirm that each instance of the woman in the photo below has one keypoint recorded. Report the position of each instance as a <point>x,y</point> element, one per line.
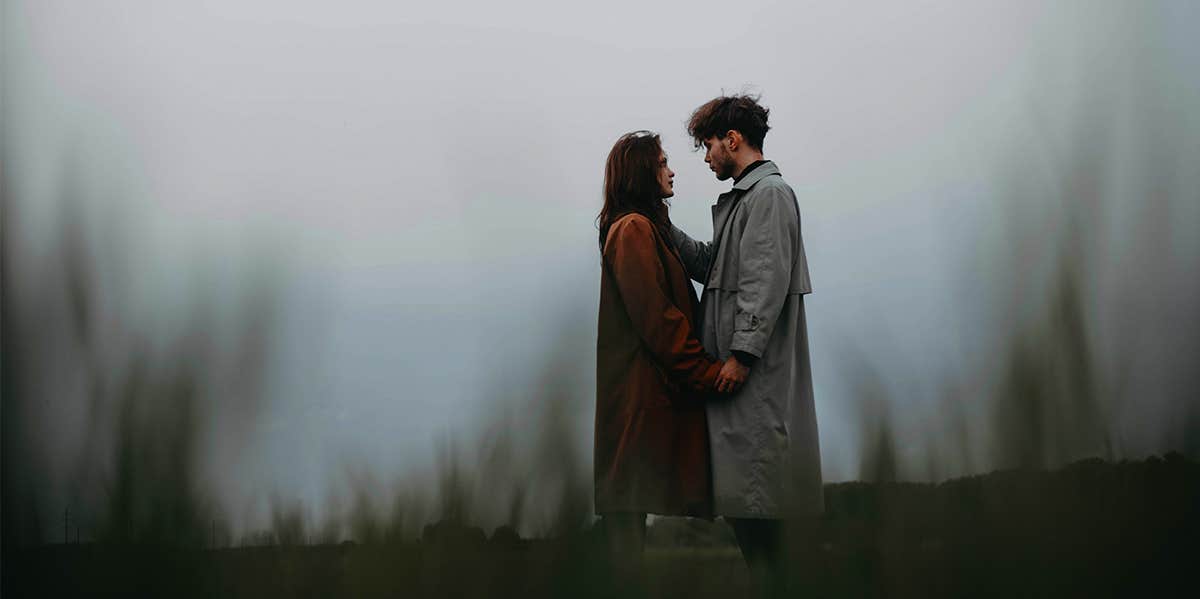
<point>652,375</point>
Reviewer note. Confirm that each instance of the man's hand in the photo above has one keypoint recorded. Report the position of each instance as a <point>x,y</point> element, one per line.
<point>732,376</point>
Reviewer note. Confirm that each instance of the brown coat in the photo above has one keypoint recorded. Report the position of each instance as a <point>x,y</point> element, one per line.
<point>652,447</point>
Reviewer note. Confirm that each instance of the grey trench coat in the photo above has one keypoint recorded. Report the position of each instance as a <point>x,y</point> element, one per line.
<point>765,453</point>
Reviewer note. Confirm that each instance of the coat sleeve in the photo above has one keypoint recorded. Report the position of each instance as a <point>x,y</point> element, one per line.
<point>696,255</point>
<point>631,253</point>
<point>766,251</point>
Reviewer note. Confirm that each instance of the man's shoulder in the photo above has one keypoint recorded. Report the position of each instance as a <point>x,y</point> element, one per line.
<point>772,181</point>
<point>772,185</point>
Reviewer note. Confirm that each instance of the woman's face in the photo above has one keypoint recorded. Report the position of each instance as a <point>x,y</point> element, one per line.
<point>666,177</point>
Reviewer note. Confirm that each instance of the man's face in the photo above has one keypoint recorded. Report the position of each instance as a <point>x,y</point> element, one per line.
<point>666,177</point>
<point>718,157</point>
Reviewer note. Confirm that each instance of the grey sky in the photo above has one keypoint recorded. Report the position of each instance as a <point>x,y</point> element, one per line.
<point>426,178</point>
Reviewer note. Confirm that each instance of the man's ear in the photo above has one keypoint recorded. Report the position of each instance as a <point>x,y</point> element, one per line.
<point>734,137</point>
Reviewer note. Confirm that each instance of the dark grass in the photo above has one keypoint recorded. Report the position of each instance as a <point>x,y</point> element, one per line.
<point>1093,529</point>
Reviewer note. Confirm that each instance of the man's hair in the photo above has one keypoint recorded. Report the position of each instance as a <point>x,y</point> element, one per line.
<point>741,113</point>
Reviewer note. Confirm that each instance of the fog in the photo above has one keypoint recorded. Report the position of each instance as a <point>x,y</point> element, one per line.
<point>372,225</point>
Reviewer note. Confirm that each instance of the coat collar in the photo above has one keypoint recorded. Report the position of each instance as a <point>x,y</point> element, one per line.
<point>721,209</point>
<point>756,175</point>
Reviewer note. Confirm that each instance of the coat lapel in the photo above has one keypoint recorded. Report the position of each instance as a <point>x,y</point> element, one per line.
<point>725,205</point>
<point>720,211</point>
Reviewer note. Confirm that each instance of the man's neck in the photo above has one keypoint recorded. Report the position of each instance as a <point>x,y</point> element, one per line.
<point>745,161</point>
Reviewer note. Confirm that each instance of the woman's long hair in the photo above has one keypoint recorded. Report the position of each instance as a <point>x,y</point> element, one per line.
<point>631,181</point>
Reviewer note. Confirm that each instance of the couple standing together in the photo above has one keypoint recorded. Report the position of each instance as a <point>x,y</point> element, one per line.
<point>704,408</point>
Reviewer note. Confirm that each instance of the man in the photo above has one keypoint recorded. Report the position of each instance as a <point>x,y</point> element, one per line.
<point>765,455</point>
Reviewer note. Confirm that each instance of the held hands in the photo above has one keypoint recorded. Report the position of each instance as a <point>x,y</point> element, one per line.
<point>733,374</point>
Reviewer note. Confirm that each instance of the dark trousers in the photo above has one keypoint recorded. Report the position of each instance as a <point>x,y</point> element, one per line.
<point>762,544</point>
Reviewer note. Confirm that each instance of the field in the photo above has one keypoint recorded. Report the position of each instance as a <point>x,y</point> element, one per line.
<point>1091,529</point>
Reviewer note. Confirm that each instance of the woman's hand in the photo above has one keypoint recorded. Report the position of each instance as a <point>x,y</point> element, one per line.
<point>733,374</point>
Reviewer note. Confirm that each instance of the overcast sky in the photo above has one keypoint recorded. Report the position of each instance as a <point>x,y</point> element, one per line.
<point>424,179</point>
